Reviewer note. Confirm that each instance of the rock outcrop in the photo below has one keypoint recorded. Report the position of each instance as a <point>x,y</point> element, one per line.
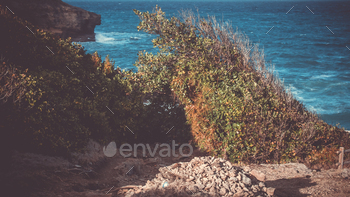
<point>57,17</point>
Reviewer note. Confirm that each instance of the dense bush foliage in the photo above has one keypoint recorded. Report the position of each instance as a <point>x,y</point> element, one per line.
<point>46,102</point>
<point>236,107</point>
<point>58,112</point>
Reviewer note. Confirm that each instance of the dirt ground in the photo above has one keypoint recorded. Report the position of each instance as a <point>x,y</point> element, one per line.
<point>297,180</point>
<point>37,175</point>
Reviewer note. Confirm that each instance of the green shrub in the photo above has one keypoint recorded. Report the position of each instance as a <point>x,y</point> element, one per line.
<point>236,107</point>
<point>53,111</point>
<point>47,105</point>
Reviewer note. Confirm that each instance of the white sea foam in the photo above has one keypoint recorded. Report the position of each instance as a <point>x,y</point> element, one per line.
<point>135,38</point>
<point>315,103</point>
<point>295,91</point>
<point>117,37</point>
<point>102,37</point>
<point>321,110</point>
<point>322,76</point>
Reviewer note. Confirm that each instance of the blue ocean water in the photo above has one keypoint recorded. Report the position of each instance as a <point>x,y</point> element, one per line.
<point>307,42</point>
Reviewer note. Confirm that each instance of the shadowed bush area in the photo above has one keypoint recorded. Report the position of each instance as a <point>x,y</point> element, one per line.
<point>46,102</point>
<point>236,107</point>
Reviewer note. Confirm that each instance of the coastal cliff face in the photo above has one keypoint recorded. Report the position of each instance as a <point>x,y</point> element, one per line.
<point>57,17</point>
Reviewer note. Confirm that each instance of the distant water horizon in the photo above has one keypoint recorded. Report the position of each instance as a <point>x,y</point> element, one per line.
<point>307,42</point>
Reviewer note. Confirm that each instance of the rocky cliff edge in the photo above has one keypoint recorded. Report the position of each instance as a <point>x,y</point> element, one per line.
<point>57,17</point>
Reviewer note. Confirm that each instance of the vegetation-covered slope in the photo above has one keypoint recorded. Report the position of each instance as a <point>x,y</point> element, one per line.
<point>46,82</point>
<point>236,107</point>
<point>54,96</point>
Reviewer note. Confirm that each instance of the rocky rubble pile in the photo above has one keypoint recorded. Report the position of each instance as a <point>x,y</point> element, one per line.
<point>203,176</point>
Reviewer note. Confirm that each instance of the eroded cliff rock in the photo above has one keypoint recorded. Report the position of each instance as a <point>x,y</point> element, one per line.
<point>57,17</point>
